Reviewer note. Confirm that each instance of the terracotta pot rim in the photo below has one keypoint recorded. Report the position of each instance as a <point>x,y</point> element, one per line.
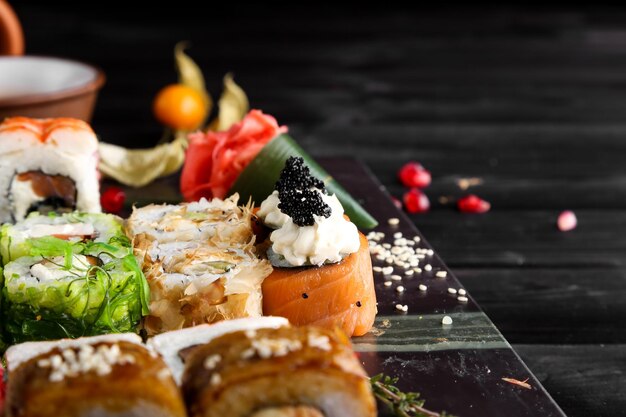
<point>92,85</point>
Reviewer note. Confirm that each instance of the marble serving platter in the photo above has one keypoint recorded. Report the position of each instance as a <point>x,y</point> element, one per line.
<point>459,367</point>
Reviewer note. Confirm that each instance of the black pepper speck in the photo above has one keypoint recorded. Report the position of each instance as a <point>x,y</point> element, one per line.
<point>305,295</point>
<point>358,304</point>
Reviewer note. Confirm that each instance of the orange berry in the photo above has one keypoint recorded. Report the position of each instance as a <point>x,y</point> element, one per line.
<point>179,107</point>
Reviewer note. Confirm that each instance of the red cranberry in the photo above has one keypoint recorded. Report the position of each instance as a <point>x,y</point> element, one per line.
<point>413,174</point>
<point>112,200</point>
<point>567,221</point>
<point>473,204</point>
<point>416,201</point>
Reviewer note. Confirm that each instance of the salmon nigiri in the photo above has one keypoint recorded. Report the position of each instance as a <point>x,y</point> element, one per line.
<point>322,267</point>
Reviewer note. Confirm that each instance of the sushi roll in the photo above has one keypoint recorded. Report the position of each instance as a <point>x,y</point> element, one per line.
<point>220,221</point>
<point>172,345</point>
<point>322,267</point>
<point>275,371</point>
<point>17,240</point>
<point>200,261</point>
<point>109,375</point>
<point>47,165</point>
<point>84,281</point>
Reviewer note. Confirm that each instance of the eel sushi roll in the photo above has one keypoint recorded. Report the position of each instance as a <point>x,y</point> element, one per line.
<point>69,276</point>
<point>267,370</point>
<point>200,261</point>
<point>109,375</point>
<point>47,165</point>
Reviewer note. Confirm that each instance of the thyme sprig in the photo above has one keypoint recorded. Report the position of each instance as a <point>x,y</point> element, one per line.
<point>402,404</point>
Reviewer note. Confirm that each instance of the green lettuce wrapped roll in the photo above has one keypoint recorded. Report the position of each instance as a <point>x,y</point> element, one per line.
<point>16,240</point>
<point>70,285</point>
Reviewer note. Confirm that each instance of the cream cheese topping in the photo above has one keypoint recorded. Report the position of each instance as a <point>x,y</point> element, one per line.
<point>270,213</point>
<point>328,240</point>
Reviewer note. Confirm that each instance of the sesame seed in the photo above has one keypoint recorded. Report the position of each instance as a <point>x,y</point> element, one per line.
<point>408,272</point>
<point>400,288</point>
<point>388,270</point>
<point>377,269</point>
<point>216,379</point>
<point>393,221</point>
<point>405,308</point>
<point>386,245</point>
<point>462,292</point>
<point>417,238</point>
<point>418,270</point>
<point>462,299</point>
<point>423,287</point>
<point>389,260</point>
<point>430,252</point>
<point>446,320</point>
<point>387,284</point>
<point>441,274</point>
<point>396,277</point>
<point>380,257</point>
<point>428,267</point>
<point>452,290</point>
<point>399,307</point>
<point>397,235</point>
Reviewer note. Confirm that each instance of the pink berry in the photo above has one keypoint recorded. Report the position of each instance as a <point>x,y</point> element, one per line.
<point>567,221</point>
<point>416,201</point>
<point>473,204</point>
<point>413,174</point>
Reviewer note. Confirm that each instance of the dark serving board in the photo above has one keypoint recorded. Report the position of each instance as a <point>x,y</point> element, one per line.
<point>457,368</point>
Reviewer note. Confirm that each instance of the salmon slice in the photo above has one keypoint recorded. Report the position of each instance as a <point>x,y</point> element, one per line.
<point>339,295</point>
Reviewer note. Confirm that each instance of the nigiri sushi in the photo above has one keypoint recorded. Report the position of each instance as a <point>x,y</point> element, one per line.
<point>322,267</point>
<point>47,165</point>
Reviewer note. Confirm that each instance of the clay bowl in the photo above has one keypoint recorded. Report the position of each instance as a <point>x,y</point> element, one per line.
<point>35,86</point>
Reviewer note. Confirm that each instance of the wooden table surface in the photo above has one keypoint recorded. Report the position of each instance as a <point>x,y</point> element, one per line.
<point>533,103</point>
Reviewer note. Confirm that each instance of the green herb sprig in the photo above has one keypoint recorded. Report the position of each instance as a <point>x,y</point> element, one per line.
<point>402,404</point>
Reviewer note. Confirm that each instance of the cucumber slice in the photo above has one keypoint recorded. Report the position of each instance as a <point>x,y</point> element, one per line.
<point>258,178</point>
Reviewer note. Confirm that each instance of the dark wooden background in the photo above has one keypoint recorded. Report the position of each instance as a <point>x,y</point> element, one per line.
<point>531,101</point>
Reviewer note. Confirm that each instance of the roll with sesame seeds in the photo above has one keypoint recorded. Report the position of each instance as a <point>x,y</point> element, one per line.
<point>109,375</point>
<point>304,371</point>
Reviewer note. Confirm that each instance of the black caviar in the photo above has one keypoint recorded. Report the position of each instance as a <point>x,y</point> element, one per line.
<point>298,193</point>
